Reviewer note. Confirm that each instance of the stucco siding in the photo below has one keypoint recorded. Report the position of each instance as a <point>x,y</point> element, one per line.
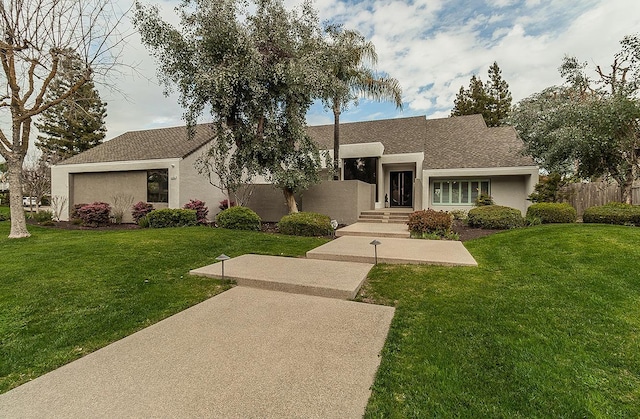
<point>342,201</point>
<point>193,185</point>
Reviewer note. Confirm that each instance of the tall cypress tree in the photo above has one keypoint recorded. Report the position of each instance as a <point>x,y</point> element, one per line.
<point>492,99</point>
<point>77,123</point>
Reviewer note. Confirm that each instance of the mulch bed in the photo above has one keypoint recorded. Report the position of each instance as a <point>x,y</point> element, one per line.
<point>464,232</point>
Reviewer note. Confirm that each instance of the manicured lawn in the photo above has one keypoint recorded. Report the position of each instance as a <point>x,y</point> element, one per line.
<point>64,294</point>
<point>547,326</point>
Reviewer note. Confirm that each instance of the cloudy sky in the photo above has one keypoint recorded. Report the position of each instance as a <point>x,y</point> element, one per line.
<point>431,46</point>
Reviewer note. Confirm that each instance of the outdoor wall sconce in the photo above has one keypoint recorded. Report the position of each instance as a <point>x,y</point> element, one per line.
<point>375,244</point>
<point>222,258</point>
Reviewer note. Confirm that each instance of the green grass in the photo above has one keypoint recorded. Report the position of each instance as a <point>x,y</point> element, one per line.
<point>548,325</point>
<point>64,294</point>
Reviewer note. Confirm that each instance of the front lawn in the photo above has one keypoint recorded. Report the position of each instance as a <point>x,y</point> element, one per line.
<point>547,326</point>
<point>65,293</point>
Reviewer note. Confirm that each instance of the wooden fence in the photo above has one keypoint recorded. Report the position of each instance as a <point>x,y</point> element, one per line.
<point>584,195</point>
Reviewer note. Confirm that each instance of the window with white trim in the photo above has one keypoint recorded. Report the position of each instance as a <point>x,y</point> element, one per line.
<point>458,192</point>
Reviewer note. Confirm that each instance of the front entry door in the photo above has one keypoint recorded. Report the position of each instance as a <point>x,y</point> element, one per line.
<point>401,189</point>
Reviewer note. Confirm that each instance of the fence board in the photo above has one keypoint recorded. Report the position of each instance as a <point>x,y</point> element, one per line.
<point>584,195</point>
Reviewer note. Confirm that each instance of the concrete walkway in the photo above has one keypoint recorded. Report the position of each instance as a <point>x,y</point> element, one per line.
<point>322,278</point>
<point>246,353</point>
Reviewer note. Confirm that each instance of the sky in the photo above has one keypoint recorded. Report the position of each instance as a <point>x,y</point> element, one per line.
<point>432,47</point>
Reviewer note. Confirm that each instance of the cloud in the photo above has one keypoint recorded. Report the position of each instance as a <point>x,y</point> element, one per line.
<point>431,47</point>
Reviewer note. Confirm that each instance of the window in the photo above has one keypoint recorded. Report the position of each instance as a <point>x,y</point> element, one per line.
<point>158,185</point>
<point>364,169</point>
<point>458,192</point>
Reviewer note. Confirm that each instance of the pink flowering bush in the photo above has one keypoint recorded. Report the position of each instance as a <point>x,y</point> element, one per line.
<point>200,208</point>
<point>95,214</point>
<point>140,210</point>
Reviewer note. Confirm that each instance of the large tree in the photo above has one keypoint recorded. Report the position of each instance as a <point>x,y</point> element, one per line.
<point>256,70</point>
<point>491,99</point>
<point>588,126</point>
<point>349,61</point>
<point>36,35</point>
<point>77,123</point>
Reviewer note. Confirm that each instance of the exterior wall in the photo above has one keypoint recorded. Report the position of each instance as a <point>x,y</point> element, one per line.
<point>268,202</point>
<point>105,186</point>
<point>510,189</point>
<point>343,201</point>
<point>193,185</point>
<point>79,183</point>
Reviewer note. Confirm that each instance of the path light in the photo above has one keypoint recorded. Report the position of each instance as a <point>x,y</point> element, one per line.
<point>334,226</point>
<point>222,258</point>
<point>375,244</point>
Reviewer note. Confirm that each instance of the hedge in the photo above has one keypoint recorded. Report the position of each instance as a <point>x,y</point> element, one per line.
<point>430,221</point>
<point>495,217</point>
<point>170,217</point>
<point>613,213</point>
<point>552,212</point>
<point>305,224</point>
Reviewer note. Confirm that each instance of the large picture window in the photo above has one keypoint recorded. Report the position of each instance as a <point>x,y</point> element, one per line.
<point>158,185</point>
<point>458,192</point>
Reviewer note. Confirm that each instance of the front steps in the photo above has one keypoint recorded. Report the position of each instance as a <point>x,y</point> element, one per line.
<point>387,215</point>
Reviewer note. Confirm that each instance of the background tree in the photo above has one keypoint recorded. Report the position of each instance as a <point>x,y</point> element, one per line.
<point>36,180</point>
<point>257,73</point>
<point>349,59</point>
<point>77,123</point>
<point>492,99</point>
<point>590,127</point>
<point>35,35</point>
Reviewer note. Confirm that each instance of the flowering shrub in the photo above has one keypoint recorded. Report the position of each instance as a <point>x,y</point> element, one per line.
<point>140,210</point>
<point>224,204</point>
<point>73,215</point>
<point>200,208</point>
<point>94,215</point>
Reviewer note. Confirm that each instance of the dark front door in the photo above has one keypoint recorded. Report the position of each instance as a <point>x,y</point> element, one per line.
<point>401,189</point>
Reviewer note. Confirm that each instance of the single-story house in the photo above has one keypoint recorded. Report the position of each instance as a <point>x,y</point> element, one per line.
<point>412,163</point>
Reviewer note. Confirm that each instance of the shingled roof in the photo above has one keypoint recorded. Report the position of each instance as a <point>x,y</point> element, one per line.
<point>447,143</point>
<point>161,143</point>
<point>467,142</point>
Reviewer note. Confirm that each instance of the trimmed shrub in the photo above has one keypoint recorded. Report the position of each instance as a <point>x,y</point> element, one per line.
<point>239,218</point>
<point>483,200</point>
<point>224,204</point>
<point>552,212</point>
<point>430,221</point>
<point>170,217</point>
<point>94,215</point>
<point>140,210</point>
<point>201,210</point>
<point>613,213</point>
<point>495,217</point>
<point>43,217</point>
<point>305,224</point>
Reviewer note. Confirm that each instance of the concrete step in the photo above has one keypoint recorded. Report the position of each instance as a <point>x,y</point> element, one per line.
<point>322,278</point>
<point>394,250</point>
<point>368,220</point>
<point>399,230</point>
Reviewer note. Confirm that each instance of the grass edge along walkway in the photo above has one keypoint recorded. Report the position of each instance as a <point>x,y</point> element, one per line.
<point>64,294</point>
<point>547,326</point>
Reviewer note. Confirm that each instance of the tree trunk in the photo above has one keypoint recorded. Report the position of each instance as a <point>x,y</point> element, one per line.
<point>336,140</point>
<point>627,188</point>
<point>290,199</point>
<point>18,220</point>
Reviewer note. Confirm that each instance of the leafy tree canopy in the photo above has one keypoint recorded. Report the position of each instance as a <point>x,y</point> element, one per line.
<point>257,73</point>
<point>492,99</point>
<point>588,126</point>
